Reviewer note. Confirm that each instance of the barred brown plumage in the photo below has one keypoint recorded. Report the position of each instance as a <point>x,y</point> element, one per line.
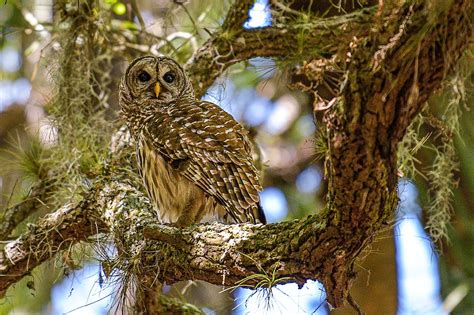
<point>194,158</point>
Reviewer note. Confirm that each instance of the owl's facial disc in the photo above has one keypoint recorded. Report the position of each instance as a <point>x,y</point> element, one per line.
<point>158,78</point>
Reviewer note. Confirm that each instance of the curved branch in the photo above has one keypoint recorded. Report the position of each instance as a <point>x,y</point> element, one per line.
<point>55,232</point>
<point>374,109</point>
<point>292,41</point>
<point>19,212</point>
<point>217,253</point>
<point>225,254</point>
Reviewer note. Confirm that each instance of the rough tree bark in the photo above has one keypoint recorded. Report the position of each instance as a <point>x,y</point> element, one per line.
<point>390,59</point>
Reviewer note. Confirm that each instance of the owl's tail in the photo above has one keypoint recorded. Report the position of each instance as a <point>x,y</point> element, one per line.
<point>254,214</point>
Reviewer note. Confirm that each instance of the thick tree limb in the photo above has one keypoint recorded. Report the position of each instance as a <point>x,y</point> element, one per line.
<point>376,106</point>
<point>55,232</point>
<point>225,254</point>
<point>288,42</point>
<point>192,253</point>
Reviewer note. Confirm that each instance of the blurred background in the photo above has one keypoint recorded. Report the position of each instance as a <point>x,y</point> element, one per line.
<point>403,272</point>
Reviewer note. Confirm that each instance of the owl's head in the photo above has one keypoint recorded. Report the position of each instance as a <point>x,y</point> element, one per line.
<point>155,78</point>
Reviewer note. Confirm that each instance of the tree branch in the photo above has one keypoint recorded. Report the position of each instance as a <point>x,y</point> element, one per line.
<point>225,254</point>
<point>238,13</point>
<point>374,109</point>
<point>18,213</point>
<point>55,232</point>
<point>292,41</point>
<point>196,252</point>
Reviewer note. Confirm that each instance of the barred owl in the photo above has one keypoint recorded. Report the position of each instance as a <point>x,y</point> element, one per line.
<point>194,158</point>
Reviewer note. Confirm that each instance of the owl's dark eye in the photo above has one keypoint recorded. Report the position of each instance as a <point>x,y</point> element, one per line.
<point>168,77</point>
<point>144,76</point>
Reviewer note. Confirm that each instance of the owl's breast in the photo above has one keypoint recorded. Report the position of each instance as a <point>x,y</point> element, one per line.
<point>173,195</point>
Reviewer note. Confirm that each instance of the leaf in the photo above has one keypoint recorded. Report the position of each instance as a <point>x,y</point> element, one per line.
<point>119,8</point>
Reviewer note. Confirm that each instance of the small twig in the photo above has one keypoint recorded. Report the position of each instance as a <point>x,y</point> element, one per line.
<point>286,8</point>
<point>354,305</point>
<point>136,10</point>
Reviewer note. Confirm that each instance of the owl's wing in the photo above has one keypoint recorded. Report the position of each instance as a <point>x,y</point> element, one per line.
<point>208,147</point>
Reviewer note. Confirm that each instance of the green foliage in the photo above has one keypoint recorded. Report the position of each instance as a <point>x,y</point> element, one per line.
<point>432,135</point>
<point>25,158</point>
<point>25,161</point>
<point>29,294</point>
<point>172,305</point>
<point>320,145</point>
<point>441,175</point>
<point>79,110</point>
<point>408,148</point>
<point>263,283</point>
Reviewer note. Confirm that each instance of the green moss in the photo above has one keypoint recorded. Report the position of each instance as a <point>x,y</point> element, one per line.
<point>431,136</point>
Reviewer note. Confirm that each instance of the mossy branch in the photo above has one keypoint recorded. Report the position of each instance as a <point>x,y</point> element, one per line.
<point>292,41</point>
<point>54,233</point>
<point>16,214</point>
<point>218,253</point>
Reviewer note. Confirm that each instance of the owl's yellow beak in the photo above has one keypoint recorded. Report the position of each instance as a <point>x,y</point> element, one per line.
<point>157,89</point>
